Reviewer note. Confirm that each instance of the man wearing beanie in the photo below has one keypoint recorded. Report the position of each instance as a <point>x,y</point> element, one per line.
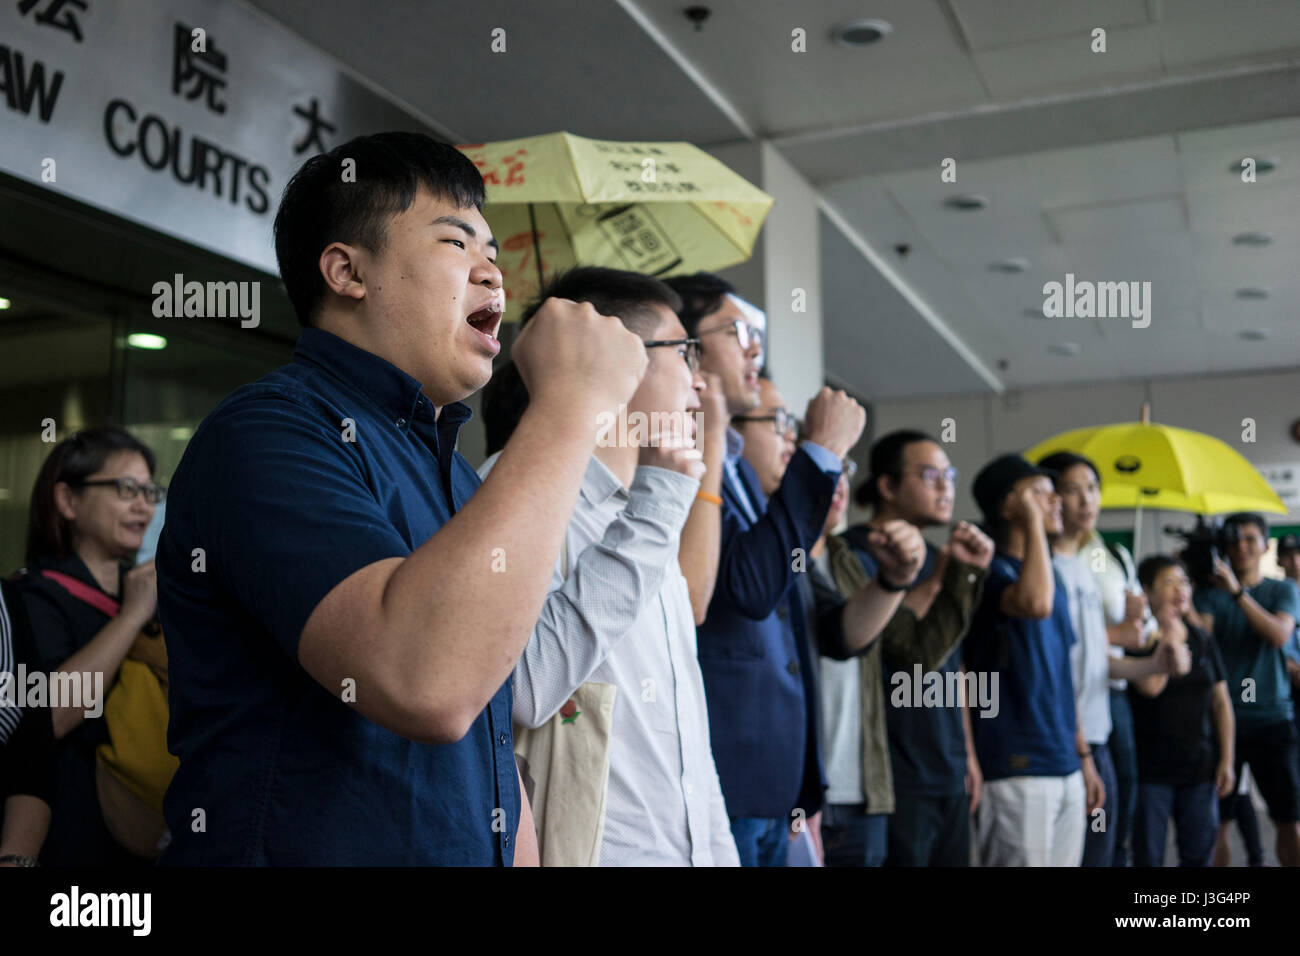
<point>1038,773</point>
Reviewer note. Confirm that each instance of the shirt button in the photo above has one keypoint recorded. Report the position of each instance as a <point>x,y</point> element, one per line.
<point>690,788</point>
<point>793,668</point>
<point>507,839</point>
<point>400,423</point>
<point>502,740</point>
<point>970,579</point>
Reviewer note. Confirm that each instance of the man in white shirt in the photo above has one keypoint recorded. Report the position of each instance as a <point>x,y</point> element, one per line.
<point>620,609</point>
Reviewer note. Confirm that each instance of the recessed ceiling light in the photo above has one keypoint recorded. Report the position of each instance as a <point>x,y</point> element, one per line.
<point>146,340</point>
<point>4,304</point>
<point>857,33</point>
<point>1263,164</point>
<point>966,202</point>
<point>1064,348</point>
<point>1253,335</point>
<point>1251,239</point>
<point>1252,292</point>
<point>1033,313</point>
<point>1009,266</point>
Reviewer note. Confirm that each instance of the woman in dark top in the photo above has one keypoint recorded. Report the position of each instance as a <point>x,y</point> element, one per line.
<point>1184,729</point>
<point>93,501</point>
<point>26,742</point>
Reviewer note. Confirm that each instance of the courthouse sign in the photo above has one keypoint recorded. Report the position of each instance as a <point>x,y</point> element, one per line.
<point>187,117</point>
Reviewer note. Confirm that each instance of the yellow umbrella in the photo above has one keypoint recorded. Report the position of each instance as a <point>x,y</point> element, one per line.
<point>1171,469</point>
<point>657,208</point>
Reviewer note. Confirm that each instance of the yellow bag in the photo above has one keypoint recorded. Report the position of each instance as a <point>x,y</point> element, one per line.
<point>134,768</point>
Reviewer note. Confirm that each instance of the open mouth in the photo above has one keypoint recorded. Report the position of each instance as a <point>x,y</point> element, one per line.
<point>486,321</point>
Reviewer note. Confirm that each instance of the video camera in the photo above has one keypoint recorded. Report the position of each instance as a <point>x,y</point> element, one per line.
<point>1204,543</point>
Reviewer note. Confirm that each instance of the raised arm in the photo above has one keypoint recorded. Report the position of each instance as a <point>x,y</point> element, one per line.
<point>701,544</point>
<point>757,564</point>
<point>1034,592</point>
<point>427,636</point>
<point>611,583</point>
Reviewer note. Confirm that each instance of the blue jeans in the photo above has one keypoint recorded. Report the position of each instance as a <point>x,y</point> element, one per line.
<point>1123,750</point>
<point>1195,808</point>
<point>851,837</point>
<point>760,841</point>
<point>1099,838</point>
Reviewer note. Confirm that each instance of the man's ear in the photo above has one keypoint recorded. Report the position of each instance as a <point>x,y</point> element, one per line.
<point>339,268</point>
<point>885,488</point>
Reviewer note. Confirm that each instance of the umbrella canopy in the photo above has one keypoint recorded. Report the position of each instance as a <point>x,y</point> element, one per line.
<point>657,208</point>
<point>1170,469</point>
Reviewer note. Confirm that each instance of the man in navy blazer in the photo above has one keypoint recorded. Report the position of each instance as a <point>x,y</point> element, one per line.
<point>753,649</point>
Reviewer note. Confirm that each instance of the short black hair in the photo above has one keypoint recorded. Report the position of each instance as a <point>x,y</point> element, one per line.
<point>1249,517</point>
<point>701,295</point>
<point>318,207</point>
<point>1151,567</point>
<point>1062,461</point>
<point>505,399</point>
<point>628,295</point>
<point>887,459</point>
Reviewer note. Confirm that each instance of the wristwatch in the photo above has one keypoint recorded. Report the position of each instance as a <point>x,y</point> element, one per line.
<point>17,859</point>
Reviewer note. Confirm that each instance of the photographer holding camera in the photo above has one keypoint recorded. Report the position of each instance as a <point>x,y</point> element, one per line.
<point>1252,618</point>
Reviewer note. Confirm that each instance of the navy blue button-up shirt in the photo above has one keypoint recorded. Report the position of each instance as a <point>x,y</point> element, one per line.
<point>293,483</point>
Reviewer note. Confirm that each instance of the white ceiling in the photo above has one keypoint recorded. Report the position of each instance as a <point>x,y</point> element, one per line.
<point>1113,166</point>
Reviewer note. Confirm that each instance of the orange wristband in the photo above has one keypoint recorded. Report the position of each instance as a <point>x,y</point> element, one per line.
<point>711,499</point>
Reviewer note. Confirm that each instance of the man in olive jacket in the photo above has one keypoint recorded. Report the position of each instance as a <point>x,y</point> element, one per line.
<point>903,785</point>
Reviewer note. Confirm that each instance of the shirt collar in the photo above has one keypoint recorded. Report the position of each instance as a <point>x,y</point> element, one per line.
<point>599,483</point>
<point>396,394</point>
<point>735,444</point>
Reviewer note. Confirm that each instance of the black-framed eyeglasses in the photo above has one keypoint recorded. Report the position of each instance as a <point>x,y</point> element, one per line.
<point>786,425</point>
<point>931,475</point>
<point>689,349</point>
<point>746,335</point>
<point>128,488</point>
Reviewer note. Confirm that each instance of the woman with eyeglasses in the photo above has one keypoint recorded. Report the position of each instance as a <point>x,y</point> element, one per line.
<point>92,503</point>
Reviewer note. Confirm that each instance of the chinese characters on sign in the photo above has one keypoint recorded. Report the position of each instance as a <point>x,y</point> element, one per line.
<point>57,14</point>
<point>194,64</point>
<point>315,124</point>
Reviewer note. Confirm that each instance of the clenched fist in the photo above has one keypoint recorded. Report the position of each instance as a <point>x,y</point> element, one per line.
<point>970,545</point>
<point>899,551</point>
<point>572,357</point>
<point>673,450</point>
<point>834,421</point>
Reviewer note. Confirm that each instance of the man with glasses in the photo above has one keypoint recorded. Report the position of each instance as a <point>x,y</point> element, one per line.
<point>619,611</point>
<point>752,647</point>
<point>903,779</point>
